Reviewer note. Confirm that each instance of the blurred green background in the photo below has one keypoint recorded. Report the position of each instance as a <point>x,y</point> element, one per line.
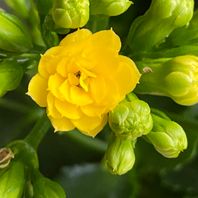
<point>74,160</point>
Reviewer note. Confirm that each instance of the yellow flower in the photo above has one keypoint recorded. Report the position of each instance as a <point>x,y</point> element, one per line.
<point>82,79</point>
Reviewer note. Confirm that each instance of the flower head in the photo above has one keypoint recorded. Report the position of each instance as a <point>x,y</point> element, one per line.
<point>82,79</point>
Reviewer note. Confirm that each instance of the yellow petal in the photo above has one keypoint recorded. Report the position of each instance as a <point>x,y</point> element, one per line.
<point>98,88</point>
<point>74,94</point>
<point>106,39</point>
<point>90,125</point>
<point>127,75</point>
<point>112,94</point>
<point>62,124</point>
<point>104,62</point>
<point>54,84</point>
<point>79,97</point>
<point>93,111</point>
<point>65,90</point>
<point>51,109</point>
<point>68,110</point>
<point>48,62</point>
<point>76,37</point>
<point>37,89</point>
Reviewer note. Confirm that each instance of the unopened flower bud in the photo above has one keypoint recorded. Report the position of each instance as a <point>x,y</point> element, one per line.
<point>109,7</point>
<point>20,7</point>
<point>13,34</point>
<point>119,157</point>
<point>131,118</point>
<point>12,180</point>
<point>168,137</point>
<point>70,13</point>
<point>11,73</point>
<point>186,35</point>
<point>163,16</point>
<point>25,153</point>
<point>44,187</point>
<point>176,78</point>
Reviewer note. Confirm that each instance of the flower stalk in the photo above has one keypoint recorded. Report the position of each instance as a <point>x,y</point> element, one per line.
<point>38,132</point>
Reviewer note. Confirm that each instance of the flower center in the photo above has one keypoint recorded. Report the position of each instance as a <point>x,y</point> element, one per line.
<point>79,79</point>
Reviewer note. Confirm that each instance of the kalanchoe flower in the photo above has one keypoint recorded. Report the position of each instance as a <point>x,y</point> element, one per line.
<point>119,157</point>
<point>13,34</point>
<point>82,79</point>
<point>168,137</point>
<point>70,13</point>
<point>109,7</point>
<point>163,16</point>
<point>176,78</point>
<point>131,118</point>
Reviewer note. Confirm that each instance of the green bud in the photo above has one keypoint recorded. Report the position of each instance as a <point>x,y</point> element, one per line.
<point>187,35</point>
<point>70,13</point>
<point>20,7</point>
<point>131,118</point>
<point>176,78</point>
<point>6,155</point>
<point>26,9</point>
<point>25,153</point>
<point>12,181</point>
<point>168,137</point>
<point>44,187</point>
<point>109,7</point>
<point>119,157</point>
<point>163,16</point>
<point>11,73</point>
<point>13,34</point>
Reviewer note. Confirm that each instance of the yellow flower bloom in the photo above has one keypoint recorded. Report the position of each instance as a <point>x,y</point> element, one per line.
<point>82,79</point>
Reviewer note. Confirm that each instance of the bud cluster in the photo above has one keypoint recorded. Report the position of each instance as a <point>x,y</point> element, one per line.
<point>132,119</point>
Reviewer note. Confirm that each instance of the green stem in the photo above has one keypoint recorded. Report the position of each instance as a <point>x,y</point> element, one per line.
<point>152,79</point>
<point>38,132</point>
